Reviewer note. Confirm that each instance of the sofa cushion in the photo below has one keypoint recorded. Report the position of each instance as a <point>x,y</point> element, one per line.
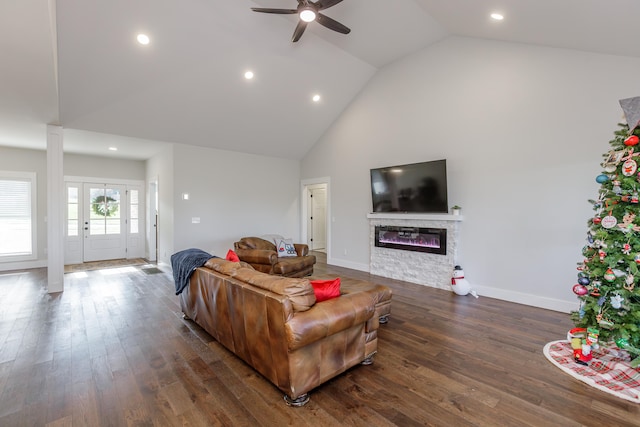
<point>326,289</point>
<point>285,248</point>
<point>226,267</point>
<point>299,291</point>
<point>256,243</point>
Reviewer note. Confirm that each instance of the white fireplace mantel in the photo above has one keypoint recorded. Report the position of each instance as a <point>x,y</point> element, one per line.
<point>424,217</point>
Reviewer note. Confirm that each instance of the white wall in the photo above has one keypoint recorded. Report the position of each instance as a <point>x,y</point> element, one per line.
<point>103,167</point>
<point>522,128</point>
<point>21,160</point>
<point>234,195</point>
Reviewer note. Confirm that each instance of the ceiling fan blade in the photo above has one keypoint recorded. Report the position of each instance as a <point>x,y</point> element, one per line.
<point>332,24</point>
<point>326,4</point>
<point>297,33</point>
<point>278,11</point>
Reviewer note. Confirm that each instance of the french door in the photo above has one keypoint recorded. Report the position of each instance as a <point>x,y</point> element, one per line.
<point>104,221</point>
<point>104,226</point>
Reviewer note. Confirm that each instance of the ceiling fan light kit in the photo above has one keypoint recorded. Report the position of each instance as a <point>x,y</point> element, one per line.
<point>307,12</point>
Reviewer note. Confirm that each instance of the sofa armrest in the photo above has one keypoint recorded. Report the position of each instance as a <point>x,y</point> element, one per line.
<point>301,249</point>
<point>257,256</point>
<point>329,317</point>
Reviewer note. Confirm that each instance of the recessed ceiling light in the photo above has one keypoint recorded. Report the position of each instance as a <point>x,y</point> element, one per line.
<point>316,98</point>
<point>497,16</point>
<point>248,75</point>
<point>143,39</point>
<point>113,148</point>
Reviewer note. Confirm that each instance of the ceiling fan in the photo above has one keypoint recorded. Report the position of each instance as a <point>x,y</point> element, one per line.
<point>309,11</point>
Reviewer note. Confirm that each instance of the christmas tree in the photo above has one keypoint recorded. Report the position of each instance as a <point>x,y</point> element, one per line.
<point>609,277</point>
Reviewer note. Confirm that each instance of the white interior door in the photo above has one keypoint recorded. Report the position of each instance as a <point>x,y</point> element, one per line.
<point>318,220</point>
<point>104,225</point>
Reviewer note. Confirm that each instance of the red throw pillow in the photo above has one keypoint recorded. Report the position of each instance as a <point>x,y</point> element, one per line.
<point>326,289</point>
<point>232,256</point>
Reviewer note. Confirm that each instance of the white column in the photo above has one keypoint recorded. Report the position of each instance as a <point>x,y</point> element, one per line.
<point>55,209</point>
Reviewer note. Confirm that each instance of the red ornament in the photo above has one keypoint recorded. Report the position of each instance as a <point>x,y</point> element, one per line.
<point>580,290</point>
<point>632,140</point>
<point>597,220</point>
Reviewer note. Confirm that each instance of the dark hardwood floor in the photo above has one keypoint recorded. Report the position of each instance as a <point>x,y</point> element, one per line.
<point>113,350</point>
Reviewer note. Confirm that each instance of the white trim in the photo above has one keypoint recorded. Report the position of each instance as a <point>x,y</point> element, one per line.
<point>429,217</point>
<point>304,184</point>
<point>117,181</point>
<point>348,264</point>
<point>31,177</point>
<point>527,299</point>
<point>22,265</point>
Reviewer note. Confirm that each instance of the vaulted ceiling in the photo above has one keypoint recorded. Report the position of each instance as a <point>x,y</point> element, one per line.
<point>77,63</point>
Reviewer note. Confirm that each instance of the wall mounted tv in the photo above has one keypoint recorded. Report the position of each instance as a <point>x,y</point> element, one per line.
<point>413,188</point>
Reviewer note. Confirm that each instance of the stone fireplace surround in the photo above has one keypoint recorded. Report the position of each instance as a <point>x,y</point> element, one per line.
<point>427,269</point>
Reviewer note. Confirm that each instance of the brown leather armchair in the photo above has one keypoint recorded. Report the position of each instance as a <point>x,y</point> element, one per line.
<point>262,256</point>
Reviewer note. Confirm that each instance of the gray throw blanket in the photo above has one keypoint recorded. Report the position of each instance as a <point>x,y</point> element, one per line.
<point>184,263</point>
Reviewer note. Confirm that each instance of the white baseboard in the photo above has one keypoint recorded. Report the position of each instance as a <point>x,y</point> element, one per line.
<point>527,299</point>
<point>23,265</point>
<point>348,264</point>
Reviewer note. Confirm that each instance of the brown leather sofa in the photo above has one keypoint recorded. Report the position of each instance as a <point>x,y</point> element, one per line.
<point>275,325</point>
<point>262,256</point>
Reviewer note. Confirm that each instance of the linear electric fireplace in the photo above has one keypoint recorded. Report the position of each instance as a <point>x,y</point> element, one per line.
<point>430,240</point>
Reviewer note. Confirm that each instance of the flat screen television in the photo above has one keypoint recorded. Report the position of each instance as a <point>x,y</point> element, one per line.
<point>413,188</point>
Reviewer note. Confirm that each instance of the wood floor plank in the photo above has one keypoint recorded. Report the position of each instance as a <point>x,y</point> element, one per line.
<point>113,350</point>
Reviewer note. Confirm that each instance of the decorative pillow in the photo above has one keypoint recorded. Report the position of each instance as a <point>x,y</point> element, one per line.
<point>326,289</point>
<point>285,248</point>
<point>232,256</point>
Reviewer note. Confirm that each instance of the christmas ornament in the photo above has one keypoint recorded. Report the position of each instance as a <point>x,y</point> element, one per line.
<point>625,198</point>
<point>609,221</point>
<point>605,323</point>
<point>634,198</point>
<point>603,254</point>
<point>629,168</point>
<point>595,292</point>
<point>627,224</point>
<point>637,258</point>
<point>629,283</point>
<point>631,141</point>
<point>584,281</point>
<point>609,167</point>
<point>616,187</point>
<point>619,273</point>
<point>609,276</point>
<point>602,178</point>
<point>616,301</point>
<point>597,220</point>
<point>626,249</point>
<point>601,301</point>
<point>580,290</point>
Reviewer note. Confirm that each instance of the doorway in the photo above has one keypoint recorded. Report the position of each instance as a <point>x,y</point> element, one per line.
<point>315,225</point>
<point>104,221</point>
